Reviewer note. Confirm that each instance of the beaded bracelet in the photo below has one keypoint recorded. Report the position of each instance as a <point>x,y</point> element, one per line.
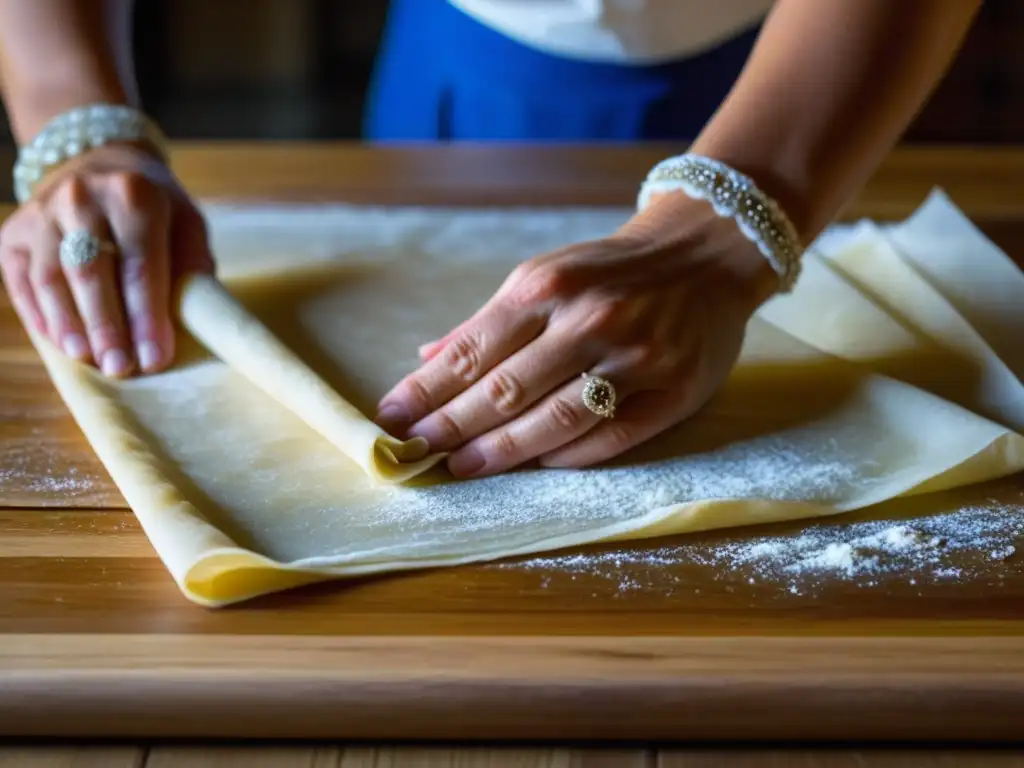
<point>75,131</point>
<point>734,196</point>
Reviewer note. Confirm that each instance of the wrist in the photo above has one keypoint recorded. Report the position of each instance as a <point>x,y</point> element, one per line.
<point>79,131</point>
<point>115,156</point>
<point>34,107</point>
<point>733,196</point>
<point>789,186</point>
<point>677,224</point>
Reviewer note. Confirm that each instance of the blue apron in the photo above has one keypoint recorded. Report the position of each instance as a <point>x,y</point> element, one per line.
<point>443,76</point>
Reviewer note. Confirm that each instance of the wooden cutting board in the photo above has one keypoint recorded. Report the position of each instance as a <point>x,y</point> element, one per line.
<point>96,640</point>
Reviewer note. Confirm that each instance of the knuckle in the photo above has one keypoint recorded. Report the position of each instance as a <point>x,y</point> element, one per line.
<point>74,192</point>
<point>418,395</point>
<point>105,332</point>
<point>47,276</point>
<point>88,273</point>
<point>505,392</point>
<point>18,288</point>
<point>15,223</point>
<point>649,358</point>
<point>464,356</point>
<point>449,429</point>
<point>505,447</point>
<point>22,225</point>
<point>604,317</point>
<point>16,259</point>
<point>543,283</point>
<point>135,268</point>
<point>133,189</point>
<point>565,415</point>
<point>617,436</point>
<point>521,272</point>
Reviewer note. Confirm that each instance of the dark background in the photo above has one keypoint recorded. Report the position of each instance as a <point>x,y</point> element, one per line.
<point>298,69</point>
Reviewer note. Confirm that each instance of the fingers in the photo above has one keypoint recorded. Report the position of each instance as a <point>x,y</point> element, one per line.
<point>644,416</point>
<point>140,220</point>
<point>94,284</point>
<point>14,266</point>
<point>495,335</point>
<point>556,421</point>
<point>52,294</point>
<point>506,391</point>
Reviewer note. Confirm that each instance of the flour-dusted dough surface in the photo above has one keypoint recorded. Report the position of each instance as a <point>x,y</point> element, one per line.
<point>245,487</point>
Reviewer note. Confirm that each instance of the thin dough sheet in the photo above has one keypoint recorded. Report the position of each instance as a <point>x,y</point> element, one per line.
<point>263,472</point>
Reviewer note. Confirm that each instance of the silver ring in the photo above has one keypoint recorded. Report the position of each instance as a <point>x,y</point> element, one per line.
<point>80,247</point>
<point>599,396</point>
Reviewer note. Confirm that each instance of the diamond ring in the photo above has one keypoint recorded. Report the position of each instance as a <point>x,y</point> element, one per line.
<point>80,247</point>
<point>599,396</point>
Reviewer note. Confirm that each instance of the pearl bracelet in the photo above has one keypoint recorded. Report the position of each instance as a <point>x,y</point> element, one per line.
<point>734,196</point>
<point>76,131</point>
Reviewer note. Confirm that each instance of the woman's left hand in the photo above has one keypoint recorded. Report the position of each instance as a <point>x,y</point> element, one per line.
<point>658,309</point>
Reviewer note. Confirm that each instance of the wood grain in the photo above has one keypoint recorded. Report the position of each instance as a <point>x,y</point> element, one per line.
<point>457,689</point>
<point>840,759</point>
<point>390,757</point>
<point>72,757</point>
<point>95,639</point>
<point>231,756</point>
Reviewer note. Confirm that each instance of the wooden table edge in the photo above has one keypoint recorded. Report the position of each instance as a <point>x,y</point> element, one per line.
<point>568,688</point>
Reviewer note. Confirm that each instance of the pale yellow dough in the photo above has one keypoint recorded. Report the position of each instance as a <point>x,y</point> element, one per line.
<point>255,468</point>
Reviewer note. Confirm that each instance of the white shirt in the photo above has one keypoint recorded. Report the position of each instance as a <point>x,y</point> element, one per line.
<point>621,31</point>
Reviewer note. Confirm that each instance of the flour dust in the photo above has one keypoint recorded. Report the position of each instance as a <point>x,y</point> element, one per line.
<point>20,472</point>
<point>969,543</point>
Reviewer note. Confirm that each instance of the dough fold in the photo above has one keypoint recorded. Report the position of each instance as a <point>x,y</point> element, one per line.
<point>229,331</point>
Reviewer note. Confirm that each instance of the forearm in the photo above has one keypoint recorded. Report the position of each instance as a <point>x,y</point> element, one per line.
<point>58,54</point>
<point>829,89</point>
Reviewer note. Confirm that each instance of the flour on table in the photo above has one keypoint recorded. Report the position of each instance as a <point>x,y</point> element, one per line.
<point>864,554</point>
<point>972,542</point>
<point>21,471</point>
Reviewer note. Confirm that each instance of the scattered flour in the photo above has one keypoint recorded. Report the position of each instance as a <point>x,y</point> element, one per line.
<point>972,542</point>
<point>20,472</point>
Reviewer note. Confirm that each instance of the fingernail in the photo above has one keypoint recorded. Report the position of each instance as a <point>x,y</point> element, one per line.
<point>149,355</point>
<point>115,363</point>
<point>466,462</point>
<point>392,418</point>
<point>75,346</point>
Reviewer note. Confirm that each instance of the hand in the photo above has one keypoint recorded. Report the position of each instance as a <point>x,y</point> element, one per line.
<point>659,309</point>
<point>116,311</point>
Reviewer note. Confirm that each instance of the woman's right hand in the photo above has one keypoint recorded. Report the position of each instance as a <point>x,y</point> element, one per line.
<point>114,312</point>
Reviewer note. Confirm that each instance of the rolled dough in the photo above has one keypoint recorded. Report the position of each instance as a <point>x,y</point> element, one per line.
<point>253,468</point>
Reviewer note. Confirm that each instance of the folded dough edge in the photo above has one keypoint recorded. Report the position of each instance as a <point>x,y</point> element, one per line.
<point>224,327</point>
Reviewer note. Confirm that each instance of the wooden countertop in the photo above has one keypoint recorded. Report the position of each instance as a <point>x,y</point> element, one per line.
<point>95,639</point>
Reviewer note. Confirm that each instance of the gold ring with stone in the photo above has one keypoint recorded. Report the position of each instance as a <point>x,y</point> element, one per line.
<point>599,396</point>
